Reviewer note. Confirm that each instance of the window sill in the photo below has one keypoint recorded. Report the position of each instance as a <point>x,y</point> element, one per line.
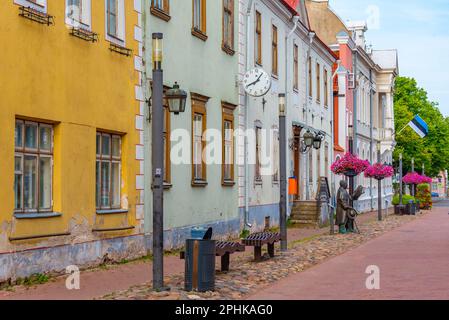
<point>228,50</point>
<point>114,211</point>
<point>161,14</point>
<point>199,34</point>
<point>258,64</point>
<point>258,182</point>
<point>275,76</point>
<point>295,90</point>
<point>46,215</point>
<point>228,183</point>
<point>199,183</point>
<point>167,186</point>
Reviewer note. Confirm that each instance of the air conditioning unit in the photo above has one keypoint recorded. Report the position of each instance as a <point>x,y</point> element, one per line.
<point>351,81</point>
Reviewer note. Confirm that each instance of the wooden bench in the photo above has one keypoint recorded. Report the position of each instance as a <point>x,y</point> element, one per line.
<point>224,249</point>
<point>258,240</point>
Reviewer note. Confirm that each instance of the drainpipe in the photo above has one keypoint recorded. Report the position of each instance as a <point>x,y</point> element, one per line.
<point>354,120</point>
<point>248,62</point>
<point>295,20</point>
<point>332,127</point>
<point>308,85</point>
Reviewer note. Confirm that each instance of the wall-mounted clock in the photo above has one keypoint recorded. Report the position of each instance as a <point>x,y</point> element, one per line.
<point>257,82</point>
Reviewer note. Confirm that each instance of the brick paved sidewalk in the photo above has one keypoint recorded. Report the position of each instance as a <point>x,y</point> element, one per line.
<point>99,282</point>
<point>413,261</point>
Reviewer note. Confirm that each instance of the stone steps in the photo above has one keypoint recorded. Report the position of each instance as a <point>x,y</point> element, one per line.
<point>305,214</point>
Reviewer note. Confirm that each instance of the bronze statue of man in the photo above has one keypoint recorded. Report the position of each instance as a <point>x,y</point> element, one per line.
<point>343,221</point>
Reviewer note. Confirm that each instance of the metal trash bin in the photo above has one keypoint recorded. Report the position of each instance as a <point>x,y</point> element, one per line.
<point>200,265</point>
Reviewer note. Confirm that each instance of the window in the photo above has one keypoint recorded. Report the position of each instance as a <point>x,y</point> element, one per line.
<point>33,167</point>
<point>326,88</point>
<point>258,175</point>
<point>199,127</point>
<point>274,51</point>
<point>258,39</point>
<point>160,9</point>
<point>276,156</point>
<point>108,171</point>
<point>228,144</point>
<point>115,21</point>
<point>228,26</point>
<point>318,82</point>
<point>39,5</point>
<point>310,77</point>
<point>199,19</point>
<point>295,67</point>
<point>78,13</point>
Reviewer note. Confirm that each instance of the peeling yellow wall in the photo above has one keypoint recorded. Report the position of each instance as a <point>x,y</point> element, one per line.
<point>47,74</point>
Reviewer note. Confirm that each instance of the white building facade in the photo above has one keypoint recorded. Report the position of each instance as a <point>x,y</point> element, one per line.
<point>280,42</point>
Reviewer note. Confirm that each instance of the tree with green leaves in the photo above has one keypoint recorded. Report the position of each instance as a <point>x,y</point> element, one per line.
<point>433,150</point>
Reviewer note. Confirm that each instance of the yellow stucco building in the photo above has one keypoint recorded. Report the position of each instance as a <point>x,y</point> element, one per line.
<point>71,139</point>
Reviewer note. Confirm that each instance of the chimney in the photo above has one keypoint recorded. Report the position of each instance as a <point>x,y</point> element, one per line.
<point>358,29</point>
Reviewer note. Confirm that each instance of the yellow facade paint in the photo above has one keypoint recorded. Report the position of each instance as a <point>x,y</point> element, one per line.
<point>81,87</point>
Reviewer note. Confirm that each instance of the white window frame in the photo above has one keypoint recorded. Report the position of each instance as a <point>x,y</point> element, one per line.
<point>86,10</point>
<point>39,5</point>
<point>38,153</point>
<point>111,159</point>
<point>120,38</point>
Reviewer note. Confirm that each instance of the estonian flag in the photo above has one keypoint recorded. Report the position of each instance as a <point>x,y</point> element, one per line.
<point>419,126</point>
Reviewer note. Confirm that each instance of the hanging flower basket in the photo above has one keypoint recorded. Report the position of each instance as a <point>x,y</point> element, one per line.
<point>415,178</point>
<point>350,166</point>
<point>379,171</point>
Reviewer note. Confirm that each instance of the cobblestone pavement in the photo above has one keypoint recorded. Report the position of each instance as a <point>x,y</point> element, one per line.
<point>247,277</point>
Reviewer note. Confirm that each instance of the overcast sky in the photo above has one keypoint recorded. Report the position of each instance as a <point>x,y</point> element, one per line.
<point>419,29</point>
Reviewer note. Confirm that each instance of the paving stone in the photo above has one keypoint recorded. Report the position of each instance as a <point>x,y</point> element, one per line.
<point>246,277</point>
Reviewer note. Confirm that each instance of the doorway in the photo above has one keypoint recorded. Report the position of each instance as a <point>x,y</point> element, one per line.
<point>297,159</point>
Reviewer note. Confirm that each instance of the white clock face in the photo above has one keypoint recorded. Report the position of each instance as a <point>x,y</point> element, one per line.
<point>257,82</point>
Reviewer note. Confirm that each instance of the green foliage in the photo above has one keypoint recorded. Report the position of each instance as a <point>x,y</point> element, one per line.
<point>405,199</point>
<point>245,233</point>
<point>433,150</point>
<point>424,196</point>
<point>35,279</point>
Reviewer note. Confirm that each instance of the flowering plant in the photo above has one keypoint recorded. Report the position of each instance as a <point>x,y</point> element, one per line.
<point>416,178</point>
<point>349,164</point>
<point>379,171</point>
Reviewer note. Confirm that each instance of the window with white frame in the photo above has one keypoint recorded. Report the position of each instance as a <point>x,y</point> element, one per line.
<point>108,171</point>
<point>78,13</point>
<point>39,5</point>
<point>33,167</point>
<point>115,21</point>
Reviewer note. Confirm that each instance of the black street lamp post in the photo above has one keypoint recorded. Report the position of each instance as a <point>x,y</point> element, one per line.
<point>379,185</point>
<point>176,99</point>
<point>283,172</point>
<point>351,151</point>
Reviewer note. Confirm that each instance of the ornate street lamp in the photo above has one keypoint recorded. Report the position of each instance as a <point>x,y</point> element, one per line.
<point>176,99</point>
<point>317,142</point>
<point>309,138</point>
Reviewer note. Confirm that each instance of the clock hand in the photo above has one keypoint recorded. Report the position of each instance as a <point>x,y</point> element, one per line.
<point>253,83</point>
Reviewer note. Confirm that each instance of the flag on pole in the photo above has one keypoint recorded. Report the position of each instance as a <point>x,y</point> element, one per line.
<point>419,126</point>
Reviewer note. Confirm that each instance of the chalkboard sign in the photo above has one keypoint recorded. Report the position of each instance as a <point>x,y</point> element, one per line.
<point>324,193</point>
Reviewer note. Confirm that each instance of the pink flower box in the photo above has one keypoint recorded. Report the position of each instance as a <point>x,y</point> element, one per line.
<point>349,165</point>
<point>379,171</point>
